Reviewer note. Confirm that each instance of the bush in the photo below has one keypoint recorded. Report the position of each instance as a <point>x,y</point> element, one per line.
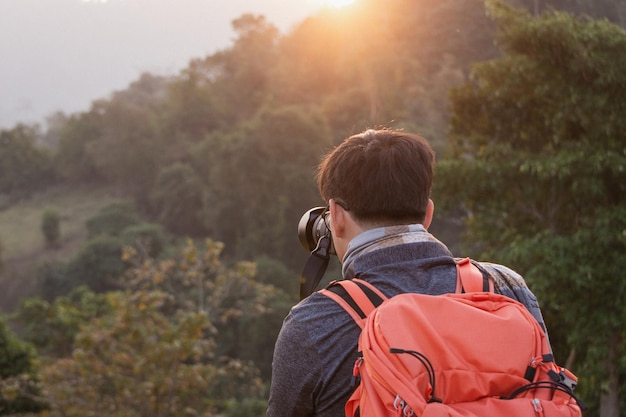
<point>112,220</point>
<point>16,380</point>
<point>52,326</point>
<point>98,265</point>
<point>151,238</point>
<point>178,196</point>
<point>51,228</point>
<point>52,280</point>
<point>274,272</point>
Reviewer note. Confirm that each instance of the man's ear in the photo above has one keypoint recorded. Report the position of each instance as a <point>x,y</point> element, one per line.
<point>337,218</point>
<point>430,209</point>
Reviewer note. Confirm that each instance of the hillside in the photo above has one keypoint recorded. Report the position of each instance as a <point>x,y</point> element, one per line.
<point>22,241</point>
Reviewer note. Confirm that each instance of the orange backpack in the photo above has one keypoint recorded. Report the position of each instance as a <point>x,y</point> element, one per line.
<point>468,354</point>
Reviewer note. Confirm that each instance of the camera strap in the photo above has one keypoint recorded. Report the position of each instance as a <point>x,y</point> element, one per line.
<point>315,267</point>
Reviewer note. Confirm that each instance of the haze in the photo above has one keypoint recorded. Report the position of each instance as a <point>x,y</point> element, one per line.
<point>60,55</point>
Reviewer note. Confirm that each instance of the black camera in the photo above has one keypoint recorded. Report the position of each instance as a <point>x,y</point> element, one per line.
<point>315,225</point>
<point>315,236</point>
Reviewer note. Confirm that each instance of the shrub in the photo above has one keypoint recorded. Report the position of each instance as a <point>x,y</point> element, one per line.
<point>51,228</point>
<point>112,220</point>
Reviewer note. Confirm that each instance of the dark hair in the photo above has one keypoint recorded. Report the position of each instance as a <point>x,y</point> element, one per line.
<point>380,176</point>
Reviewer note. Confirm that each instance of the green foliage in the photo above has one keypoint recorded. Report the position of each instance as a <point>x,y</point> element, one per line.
<point>140,362</point>
<point>18,388</point>
<point>178,339</point>
<point>71,159</point>
<point>260,181</point>
<point>51,227</point>
<point>178,198</point>
<point>188,275</point>
<point>246,313</point>
<point>112,219</point>
<point>240,77</point>
<point>543,116</point>
<point>128,150</point>
<point>149,238</point>
<point>24,168</point>
<point>15,356</point>
<point>51,279</point>
<point>160,347</point>
<point>52,326</point>
<point>97,265</point>
<point>273,271</point>
<point>613,10</point>
<point>541,171</point>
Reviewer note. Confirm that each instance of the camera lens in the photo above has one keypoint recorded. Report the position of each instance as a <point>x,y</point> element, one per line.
<point>312,228</point>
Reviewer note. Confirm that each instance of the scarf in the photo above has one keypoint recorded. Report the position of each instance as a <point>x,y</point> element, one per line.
<point>383,237</point>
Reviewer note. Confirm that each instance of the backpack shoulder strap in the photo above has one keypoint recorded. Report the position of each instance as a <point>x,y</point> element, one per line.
<point>358,297</point>
<point>471,279</point>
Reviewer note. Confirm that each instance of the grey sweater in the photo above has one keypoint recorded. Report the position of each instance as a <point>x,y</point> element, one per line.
<point>317,345</point>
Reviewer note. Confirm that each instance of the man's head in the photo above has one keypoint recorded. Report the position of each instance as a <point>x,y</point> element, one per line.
<point>381,176</point>
<point>376,178</point>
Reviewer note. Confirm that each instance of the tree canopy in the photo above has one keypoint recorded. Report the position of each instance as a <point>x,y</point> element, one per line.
<point>540,168</point>
<point>25,167</point>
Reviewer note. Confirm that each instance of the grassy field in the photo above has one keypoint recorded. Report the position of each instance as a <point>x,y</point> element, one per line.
<point>22,240</point>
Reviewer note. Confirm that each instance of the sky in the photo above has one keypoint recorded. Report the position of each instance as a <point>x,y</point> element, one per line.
<point>60,55</point>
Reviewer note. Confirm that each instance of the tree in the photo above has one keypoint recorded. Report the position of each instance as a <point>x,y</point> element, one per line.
<point>541,169</point>
<point>147,237</point>
<point>140,361</point>
<point>163,348</point>
<point>112,219</point>
<point>51,326</point>
<point>178,197</point>
<point>73,162</point>
<point>51,228</point>
<point>246,312</point>
<point>613,10</point>
<point>98,264</point>
<point>19,390</point>
<point>174,342</point>
<point>240,75</point>
<point>51,279</point>
<point>24,167</point>
<point>273,271</point>
<point>129,150</point>
<point>260,181</point>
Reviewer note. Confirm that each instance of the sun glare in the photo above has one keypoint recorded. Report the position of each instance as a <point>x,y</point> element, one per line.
<point>333,3</point>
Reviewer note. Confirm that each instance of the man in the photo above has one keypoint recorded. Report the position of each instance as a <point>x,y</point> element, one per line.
<point>377,185</point>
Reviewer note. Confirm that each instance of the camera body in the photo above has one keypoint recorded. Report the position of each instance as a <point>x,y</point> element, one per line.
<point>315,236</point>
<point>313,227</point>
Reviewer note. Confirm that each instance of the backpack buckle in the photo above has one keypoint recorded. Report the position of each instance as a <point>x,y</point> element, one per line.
<point>356,372</point>
<point>565,378</point>
<point>400,405</point>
